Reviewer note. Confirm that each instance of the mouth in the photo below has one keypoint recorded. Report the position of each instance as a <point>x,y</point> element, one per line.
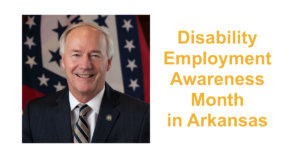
<point>84,75</point>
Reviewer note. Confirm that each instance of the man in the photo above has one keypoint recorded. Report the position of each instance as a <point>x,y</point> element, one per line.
<point>89,110</point>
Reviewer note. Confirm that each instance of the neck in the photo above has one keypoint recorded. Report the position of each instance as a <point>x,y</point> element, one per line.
<point>84,97</point>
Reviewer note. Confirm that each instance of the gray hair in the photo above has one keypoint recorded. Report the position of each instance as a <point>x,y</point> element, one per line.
<point>62,40</point>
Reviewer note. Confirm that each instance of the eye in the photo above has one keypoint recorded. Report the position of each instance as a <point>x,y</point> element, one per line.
<point>95,55</point>
<point>75,54</point>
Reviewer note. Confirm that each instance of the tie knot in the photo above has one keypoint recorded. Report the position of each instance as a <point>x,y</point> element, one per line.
<point>83,109</point>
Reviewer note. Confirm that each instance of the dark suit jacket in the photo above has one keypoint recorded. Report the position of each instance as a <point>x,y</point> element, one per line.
<point>48,119</point>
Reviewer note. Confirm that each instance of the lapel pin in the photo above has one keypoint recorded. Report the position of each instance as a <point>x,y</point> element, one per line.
<point>108,117</point>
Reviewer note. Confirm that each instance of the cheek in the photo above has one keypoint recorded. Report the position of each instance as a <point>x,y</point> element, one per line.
<point>69,65</point>
<point>100,66</point>
<point>100,70</point>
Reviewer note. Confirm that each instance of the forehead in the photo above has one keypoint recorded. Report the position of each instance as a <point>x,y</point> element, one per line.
<point>88,32</point>
<point>84,28</point>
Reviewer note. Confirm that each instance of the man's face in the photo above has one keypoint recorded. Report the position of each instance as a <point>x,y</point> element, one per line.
<point>85,61</point>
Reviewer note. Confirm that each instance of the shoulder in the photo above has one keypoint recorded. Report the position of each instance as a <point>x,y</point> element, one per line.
<point>49,100</point>
<point>129,101</point>
<point>126,103</point>
<point>133,109</point>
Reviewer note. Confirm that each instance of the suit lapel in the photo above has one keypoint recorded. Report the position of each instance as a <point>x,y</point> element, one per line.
<point>63,118</point>
<point>107,116</point>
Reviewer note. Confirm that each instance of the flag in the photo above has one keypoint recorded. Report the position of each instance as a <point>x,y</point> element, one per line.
<point>43,74</point>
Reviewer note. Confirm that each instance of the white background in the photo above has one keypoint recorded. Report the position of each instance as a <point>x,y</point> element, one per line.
<point>278,30</point>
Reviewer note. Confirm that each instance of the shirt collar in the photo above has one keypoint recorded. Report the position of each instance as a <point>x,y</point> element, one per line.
<point>94,103</point>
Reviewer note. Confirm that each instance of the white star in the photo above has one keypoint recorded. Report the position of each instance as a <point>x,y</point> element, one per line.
<point>43,80</point>
<point>30,61</point>
<point>30,22</point>
<point>29,42</point>
<point>129,45</point>
<point>133,84</point>
<point>59,86</point>
<point>131,64</point>
<point>127,25</point>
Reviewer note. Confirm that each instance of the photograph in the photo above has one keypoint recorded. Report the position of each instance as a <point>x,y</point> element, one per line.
<point>86,78</point>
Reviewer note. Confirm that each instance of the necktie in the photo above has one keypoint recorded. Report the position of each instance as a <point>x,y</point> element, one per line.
<point>81,128</point>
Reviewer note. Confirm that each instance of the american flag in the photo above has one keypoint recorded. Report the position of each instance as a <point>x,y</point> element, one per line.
<point>42,72</point>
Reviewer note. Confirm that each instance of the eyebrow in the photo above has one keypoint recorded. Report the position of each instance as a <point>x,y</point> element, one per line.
<point>96,51</point>
<point>93,51</point>
<point>76,50</point>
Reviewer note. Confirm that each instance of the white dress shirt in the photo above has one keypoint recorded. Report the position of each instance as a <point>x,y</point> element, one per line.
<point>92,116</point>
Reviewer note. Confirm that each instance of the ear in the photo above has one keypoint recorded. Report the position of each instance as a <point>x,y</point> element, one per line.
<point>62,62</point>
<point>109,64</point>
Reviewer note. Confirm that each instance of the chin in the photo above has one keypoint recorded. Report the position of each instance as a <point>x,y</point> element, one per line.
<point>84,90</point>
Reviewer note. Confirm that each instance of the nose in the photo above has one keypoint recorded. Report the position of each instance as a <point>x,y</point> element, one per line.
<point>85,62</point>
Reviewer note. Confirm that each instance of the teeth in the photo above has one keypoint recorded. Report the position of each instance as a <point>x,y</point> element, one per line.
<point>83,76</point>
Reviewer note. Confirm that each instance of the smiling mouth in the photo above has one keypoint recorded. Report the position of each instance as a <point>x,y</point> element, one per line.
<point>84,75</point>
